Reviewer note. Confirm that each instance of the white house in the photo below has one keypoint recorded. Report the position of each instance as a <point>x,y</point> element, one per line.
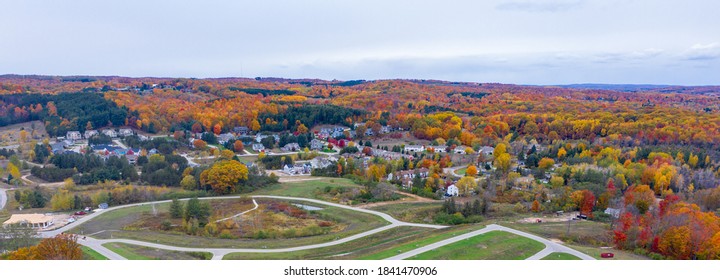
<point>414,148</point>
<point>487,150</point>
<point>460,150</point>
<point>110,132</point>
<point>125,132</point>
<point>258,147</point>
<point>452,190</point>
<point>90,133</point>
<point>226,137</point>
<point>73,135</point>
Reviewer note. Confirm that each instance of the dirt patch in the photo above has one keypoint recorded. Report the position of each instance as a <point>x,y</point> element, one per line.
<point>550,218</point>
<point>10,134</point>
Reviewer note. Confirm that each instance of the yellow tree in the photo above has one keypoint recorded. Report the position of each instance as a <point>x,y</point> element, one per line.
<point>471,171</point>
<point>466,185</point>
<point>502,162</point>
<point>224,176</point>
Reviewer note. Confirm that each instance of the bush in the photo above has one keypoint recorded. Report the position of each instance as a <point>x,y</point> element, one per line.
<point>165,225</point>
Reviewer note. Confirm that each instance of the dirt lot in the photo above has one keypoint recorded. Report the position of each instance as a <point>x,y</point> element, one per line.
<point>550,218</point>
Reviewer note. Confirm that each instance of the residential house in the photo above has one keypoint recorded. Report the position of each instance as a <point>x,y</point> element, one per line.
<point>316,145</point>
<point>124,132</point>
<point>241,130</point>
<point>225,137</point>
<point>460,150</point>
<point>258,147</point>
<point>73,135</point>
<point>414,148</point>
<point>486,150</point>
<point>110,132</point>
<point>613,212</point>
<point>291,147</point>
<point>90,133</point>
<point>439,148</point>
<point>452,190</point>
<point>322,162</point>
<point>298,169</point>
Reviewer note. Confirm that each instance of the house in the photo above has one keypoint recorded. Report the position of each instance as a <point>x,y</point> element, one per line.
<point>58,148</point>
<point>241,130</point>
<point>298,168</point>
<point>414,148</point>
<point>258,147</point>
<point>40,221</point>
<point>439,148</point>
<point>123,132</point>
<point>322,162</point>
<point>291,147</point>
<point>452,190</point>
<point>73,135</point>
<point>225,137</point>
<point>143,137</point>
<point>460,150</point>
<point>90,133</point>
<point>613,212</point>
<point>110,132</point>
<point>259,137</point>
<point>316,145</point>
<point>487,150</point>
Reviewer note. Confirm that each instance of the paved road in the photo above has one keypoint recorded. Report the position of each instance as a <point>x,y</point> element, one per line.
<point>550,247</point>
<point>3,198</point>
<point>218,253</point>
<point>49,185</point>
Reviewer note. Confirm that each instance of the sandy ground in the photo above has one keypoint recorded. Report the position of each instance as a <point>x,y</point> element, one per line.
<point>550,218</point>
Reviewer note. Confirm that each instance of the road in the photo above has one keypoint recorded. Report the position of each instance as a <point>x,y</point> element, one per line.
<point>219,253</point>
<point>3,198</point>
<point>550,247</point>
<point>49,185</point>
<point>240,214</point>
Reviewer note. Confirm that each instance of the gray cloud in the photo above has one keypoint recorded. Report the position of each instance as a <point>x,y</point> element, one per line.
<point>703,52</point>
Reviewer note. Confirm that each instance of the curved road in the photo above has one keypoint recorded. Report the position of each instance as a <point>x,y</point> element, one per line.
<point>550,247</point>
<point>3,198</point>
<point>218,253</point>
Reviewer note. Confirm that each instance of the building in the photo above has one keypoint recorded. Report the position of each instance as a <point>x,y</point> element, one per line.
<point>225,137</point>
<point>452,190</point>
<point>486,150</point>
<point>460,150</point>
<point>316,145</point>
<point>439,148</point>
<point>123,132</point>
<point>110,132</point>
<point>414,148</point>
<point>73,135</point>
<point>322,162</point>
<point>39,221</point>
<point>613,212</point>
<point>90,133</point>
<point>291,147</point>
<point>241,130</point>
<point>258,147</point>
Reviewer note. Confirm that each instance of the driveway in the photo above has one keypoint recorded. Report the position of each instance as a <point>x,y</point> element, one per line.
<point>550,247</point>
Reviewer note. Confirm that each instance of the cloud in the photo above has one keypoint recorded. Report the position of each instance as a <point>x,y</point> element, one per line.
<point>703,52</point>
<point>539,6</point>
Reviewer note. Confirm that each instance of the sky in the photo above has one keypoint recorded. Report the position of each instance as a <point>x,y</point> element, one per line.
<point>515,41</point>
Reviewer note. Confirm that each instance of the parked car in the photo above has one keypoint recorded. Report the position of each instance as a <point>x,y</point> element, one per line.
<point>607,255</point>
<point>80,213</point>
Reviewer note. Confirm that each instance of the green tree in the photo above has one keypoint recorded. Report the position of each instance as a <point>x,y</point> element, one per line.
<point>189,183</point>
<point>195,209</point>
<point>176,209</point>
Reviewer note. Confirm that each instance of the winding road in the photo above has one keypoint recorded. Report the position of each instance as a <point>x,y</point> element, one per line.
<point>550,247</point>
<point>219,253</point>
<point>3,198</point>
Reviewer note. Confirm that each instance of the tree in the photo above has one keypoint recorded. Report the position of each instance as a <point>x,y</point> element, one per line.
<point>176,208</point>
<point>502,162</point>
<point>546,163</point>
<point>227,154</point>
<point>466,185</point>
<point>238,146</point>
<point>224,176</point>
<point>60,247</point>
<point>188,183</point>
<point>255,125</point>
<point>471,171</point>
<point>199,144</point>
<point>217,128</point>
<point>195,209</point>
<point>535,206</point>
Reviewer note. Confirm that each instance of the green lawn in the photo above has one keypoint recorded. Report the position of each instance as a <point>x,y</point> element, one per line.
<point>461,171</point>
<point>307,188</point>
<point>583,232</point>
<point>418,212</point>
<point>135,252</point>
<point>90,254</point>
<point>432,237</point>
<point>113,225</point>
<point>494,245</point>
<point>560,257</point>
<point>380,241</point>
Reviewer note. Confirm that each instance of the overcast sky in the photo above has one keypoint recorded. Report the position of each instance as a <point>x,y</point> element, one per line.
<point>517,41</point>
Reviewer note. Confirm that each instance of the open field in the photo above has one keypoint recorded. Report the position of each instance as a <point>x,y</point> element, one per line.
<point>90,254</point>
<point>495,245</point>
<point>427,239</point>
<point>134,252</point>
<point>10,134</point>
<point>461,171</point>
<point>580,232</point>
<point>372,244</point>
<point>560,257</point>
<point>411,212</point>
<point>312,189</point>
<point>115,225</point>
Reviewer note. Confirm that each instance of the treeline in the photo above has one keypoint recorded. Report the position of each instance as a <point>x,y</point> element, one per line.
<point>91,168</point>
<point>264,92</point>
<point>62,112</point>
<point>309,115</point>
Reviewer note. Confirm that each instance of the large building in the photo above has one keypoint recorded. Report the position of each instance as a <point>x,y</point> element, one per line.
<point>40,221</point>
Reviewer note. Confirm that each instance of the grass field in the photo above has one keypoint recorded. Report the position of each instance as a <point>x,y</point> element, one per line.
<point>90,254</point>
<point>580,232</point>
<point>351,250</point>
<point>112,225</point>
<point>560,257</point>
<point>411,212</point>
<point>427,239</point>
<point>461,171</point>
<point>619,254</point>
<point>134,252</point>
<point>495,245</point>
<point>308,189</point>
